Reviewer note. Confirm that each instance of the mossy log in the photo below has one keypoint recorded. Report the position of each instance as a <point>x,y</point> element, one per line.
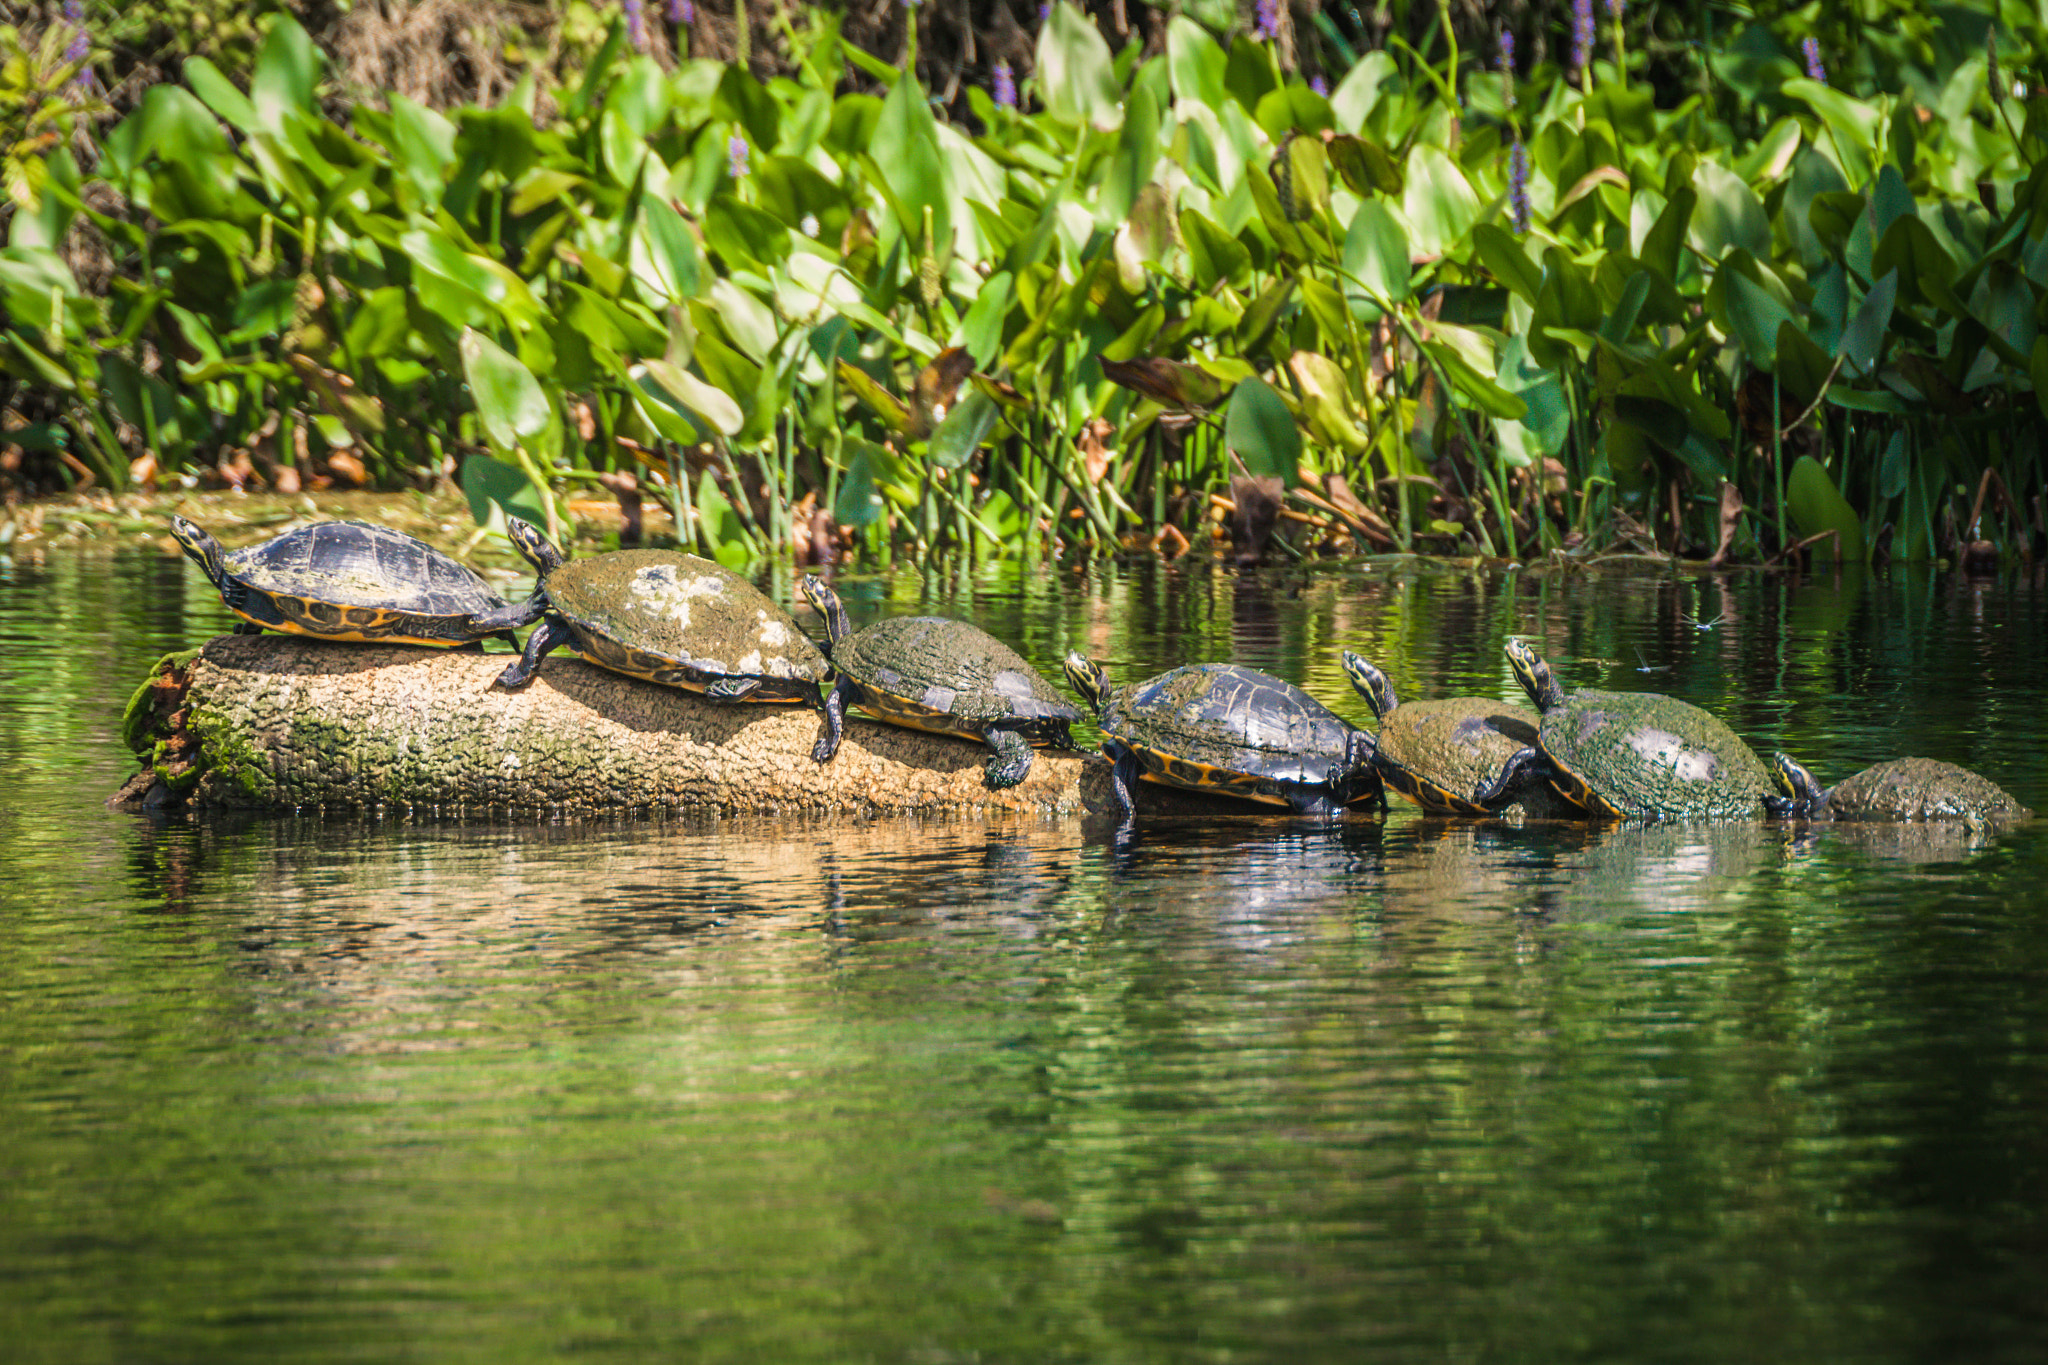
<point>279,722</point>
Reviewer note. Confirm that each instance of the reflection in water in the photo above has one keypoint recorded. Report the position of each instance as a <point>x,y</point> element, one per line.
<point>944,1090</point>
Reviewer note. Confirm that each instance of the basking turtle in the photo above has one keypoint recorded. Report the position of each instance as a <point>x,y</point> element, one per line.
<point>1900,789</point>
<point>1632,754</point>
<point>1438,753</point>
<point>666,617</point>
<point>349,580</point>
<point>1229,730</point>
<point>943,676</point>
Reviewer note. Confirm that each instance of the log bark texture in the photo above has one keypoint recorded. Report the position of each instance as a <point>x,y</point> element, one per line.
<point>280,722</point>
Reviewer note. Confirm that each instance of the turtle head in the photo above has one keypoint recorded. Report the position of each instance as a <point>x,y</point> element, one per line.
<point>1795,781</point>
<point>203,548</point>
<point>538,549</point>
<point>1087,679</point>
<point>827,604</point>
<point>1371,684</point>
<point>1534,675</point>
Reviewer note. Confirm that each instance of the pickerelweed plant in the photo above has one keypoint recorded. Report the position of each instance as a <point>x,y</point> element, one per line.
<point>1418,312</point>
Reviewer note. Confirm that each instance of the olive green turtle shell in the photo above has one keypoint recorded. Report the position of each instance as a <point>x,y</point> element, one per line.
<point>1234,730</point>
<point>1438,753</point>
<point>1646,755</point>
<point>346,580</point>
<point>1920,789</point>
<point>683,621</point>
<point>950,677</point>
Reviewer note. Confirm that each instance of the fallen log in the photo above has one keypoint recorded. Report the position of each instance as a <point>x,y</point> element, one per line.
<point>280,722</point>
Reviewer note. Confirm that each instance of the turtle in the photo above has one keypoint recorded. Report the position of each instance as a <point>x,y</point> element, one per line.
<point>1438,753</point>
<point>1632,755</point>
<point>666,617</point>
<point>943,676</point>
<point>1898,789</point>
<point>1230,730</point>
<point>350,580</point>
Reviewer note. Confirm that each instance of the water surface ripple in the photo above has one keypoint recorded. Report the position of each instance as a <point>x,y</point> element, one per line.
<point>305,1088</point>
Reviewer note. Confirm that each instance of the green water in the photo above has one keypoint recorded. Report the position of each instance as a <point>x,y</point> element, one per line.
<point>293,1088</point>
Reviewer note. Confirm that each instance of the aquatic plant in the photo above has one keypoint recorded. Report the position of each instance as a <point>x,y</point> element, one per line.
<point>1185,299</point>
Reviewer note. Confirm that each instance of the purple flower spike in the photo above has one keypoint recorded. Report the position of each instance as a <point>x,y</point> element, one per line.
<point>736,156</point>
<point>1507,66</point>
<point>1319,85</point>
<point>1617,10</point>
<point>1810,49</point>
<point>1266,21</point>
<point>1004,86</point>
<point>1582,33</point>
<point>1045,11</point>
<point>80,46</point>
<point>636,23</point>
<point>681,12</point>
<point>1518,186</point>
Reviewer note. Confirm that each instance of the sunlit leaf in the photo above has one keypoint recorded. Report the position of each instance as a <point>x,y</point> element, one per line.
<point>1076,76</point>
<point>1260,431</point>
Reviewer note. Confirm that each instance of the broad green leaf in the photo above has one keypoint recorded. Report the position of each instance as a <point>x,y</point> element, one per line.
<point>287,72</point>
<point>905,150</point>
<point>1817,505</point>
<point>1076,79</point>
<point>1728,215</point>
<point>855,504</point>
<point>1376,253</point>
<point>1502,255</point>
<point>1130,165</point>
<point>220,93</point>
<point>638,94</point>
<point>741,234</point>
<point>965,426</point>
<point>1355,97</point>
<point>743,100</point>
<point>1890,200</point>
<point>1895,465</point>
<point>1863,338</point>
<point>663,253</point>
<point>1260,431</point>
<point>712,404</point>
<point>1249,74</point>
<point>1756,315</point>
<point>1926,271</point>
<point>510,403</point>
<point>496,490</point>
<point>1439,203</point>
<point>1546,424</point>
<point>1365,165</point>
<point>1194,61</point>
<point>1213,254</point>
<point>719,527</point>
<point>1802,366</point>
<point>1474,385</point>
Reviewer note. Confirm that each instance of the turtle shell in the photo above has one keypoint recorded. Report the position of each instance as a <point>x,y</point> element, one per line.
<point>1920,789</point>
<point>1234,730</point>
<point>1640,755</point>
<point>1438,753</point>
<point>684,621</point>
<point>950,677</point>
<point>1646,755</point>
<point>347,580</point>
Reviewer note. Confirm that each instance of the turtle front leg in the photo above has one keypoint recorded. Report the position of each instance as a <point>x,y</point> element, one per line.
<point>835,723</point>
<point>1313,803</point>
<point>246,628</point>
<point>1524,765</point>
<point>1012,762</point>
<point>1122,777</point>
<point>551,634</point>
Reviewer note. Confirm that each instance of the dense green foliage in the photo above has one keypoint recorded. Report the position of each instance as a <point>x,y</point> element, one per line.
<point>1178,279</point>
